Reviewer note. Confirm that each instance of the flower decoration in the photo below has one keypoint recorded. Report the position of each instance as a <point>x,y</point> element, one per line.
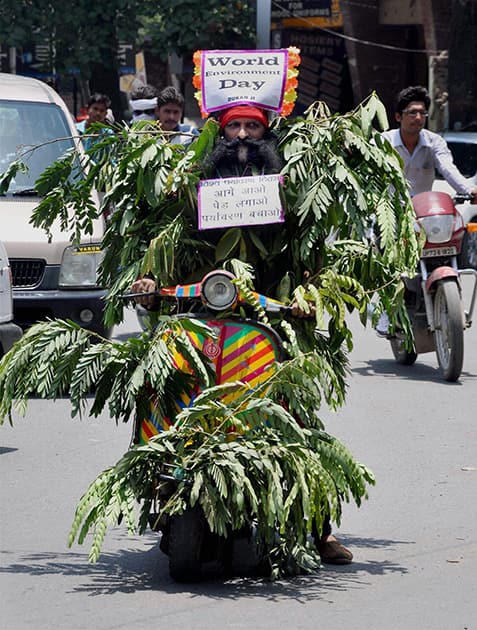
<point>290,94</point>
<point>197,80</point>
<point>291,82</point>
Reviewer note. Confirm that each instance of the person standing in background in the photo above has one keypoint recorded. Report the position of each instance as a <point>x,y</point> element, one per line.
<point>143,103</point>
<point>98,106</point>
<point>169,113</point>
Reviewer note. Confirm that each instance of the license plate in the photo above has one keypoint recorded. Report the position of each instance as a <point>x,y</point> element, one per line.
<point>439,251</point>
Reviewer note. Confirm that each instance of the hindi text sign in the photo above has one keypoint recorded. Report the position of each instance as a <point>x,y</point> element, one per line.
<point>239,201</point>
<point>255,77</point>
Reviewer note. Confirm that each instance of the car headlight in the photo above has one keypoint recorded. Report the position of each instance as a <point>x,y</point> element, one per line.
<point>79,266</point>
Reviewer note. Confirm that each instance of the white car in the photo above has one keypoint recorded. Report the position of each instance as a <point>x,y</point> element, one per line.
<point>9,332</point>
<point>51,279</point>
<point>463,145</point>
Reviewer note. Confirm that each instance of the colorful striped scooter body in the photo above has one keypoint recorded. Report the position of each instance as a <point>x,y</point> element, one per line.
<point>242,351</point>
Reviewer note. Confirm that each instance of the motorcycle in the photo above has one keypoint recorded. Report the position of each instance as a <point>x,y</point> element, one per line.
<point>240,349</point>
<point>433,297</point>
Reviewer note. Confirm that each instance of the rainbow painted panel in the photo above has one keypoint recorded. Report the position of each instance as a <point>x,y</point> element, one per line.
<point>242,352</point>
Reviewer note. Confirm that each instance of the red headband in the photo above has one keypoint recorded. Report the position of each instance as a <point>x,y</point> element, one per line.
<point>243,111</point>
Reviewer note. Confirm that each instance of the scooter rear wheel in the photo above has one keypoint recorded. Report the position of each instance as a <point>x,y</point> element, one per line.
<point>449,329</point>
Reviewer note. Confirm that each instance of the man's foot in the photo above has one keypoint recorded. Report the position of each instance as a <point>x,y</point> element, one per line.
<point>333,552</point>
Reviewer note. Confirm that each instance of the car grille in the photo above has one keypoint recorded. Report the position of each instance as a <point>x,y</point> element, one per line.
<point>27,272</point>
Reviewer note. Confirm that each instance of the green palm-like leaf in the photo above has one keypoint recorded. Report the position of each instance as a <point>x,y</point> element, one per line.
<point>283,481</point>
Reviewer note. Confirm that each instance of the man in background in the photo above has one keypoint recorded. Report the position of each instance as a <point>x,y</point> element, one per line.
<point>166,107</point>
<point>98,106</point>
<point>423,151</point>
<point>143,103</point>
<point>169,113</point>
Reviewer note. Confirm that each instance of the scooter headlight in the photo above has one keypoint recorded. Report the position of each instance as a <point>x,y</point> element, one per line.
<point>218,291</point>
<point>438,228</point>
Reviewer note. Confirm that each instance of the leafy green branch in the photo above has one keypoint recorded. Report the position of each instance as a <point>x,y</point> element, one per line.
<point>274,473</point>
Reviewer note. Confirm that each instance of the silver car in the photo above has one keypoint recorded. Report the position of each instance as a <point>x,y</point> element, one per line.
<point>9,332</point>
<point>51,278</point>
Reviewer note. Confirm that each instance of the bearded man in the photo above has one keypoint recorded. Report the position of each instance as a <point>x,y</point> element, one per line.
<point>247,147</point>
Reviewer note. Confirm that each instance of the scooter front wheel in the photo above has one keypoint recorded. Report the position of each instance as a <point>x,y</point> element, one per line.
<point>186,539</point>
<point>449,329</point>
<point>402,356</point>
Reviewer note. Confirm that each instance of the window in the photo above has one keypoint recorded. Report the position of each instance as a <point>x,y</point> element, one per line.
<point>36,133</point>
<point>465,157</point>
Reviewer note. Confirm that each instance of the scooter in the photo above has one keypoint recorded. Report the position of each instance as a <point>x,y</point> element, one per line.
<point>433,297</point>
<point>241,349</point>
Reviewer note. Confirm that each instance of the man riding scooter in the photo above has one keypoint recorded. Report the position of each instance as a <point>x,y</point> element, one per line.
<point>423,152</point>
<point>246,146</point>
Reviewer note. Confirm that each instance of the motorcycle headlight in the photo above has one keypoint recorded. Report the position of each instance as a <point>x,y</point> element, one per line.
<point>79,266</point>
<point>438,228</point>
<point>218,291</point>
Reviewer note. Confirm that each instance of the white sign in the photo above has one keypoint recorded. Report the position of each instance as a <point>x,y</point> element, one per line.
<point>250,77</point>
<point>239,201</point>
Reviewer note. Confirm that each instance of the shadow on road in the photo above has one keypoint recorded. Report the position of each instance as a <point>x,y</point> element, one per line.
<point>7,449</point>
<point>416,372</point>
<point>132,570</point>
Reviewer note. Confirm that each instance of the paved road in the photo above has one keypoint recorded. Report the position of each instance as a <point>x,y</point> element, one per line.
<point>414,541</point>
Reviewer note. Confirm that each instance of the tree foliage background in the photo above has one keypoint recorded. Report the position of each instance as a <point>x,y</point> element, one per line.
<point>85,35</point>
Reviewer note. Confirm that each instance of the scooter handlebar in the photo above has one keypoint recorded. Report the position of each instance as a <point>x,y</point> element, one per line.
<point>462,197</point>
<point>132,296</point>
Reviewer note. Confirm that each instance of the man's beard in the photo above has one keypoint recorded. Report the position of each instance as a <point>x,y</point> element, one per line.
<point>260,153</point>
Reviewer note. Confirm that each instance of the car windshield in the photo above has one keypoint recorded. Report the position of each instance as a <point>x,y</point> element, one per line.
<point>36,133</point>
<point>465,157</point>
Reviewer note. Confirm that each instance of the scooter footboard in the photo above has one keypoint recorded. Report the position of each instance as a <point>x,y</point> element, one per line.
<point>239,351</point>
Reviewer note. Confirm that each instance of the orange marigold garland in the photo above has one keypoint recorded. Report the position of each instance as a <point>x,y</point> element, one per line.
<point>289,96</point>
<point>197,80</point>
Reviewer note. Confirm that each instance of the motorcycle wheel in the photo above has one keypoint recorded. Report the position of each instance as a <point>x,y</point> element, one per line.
<point>401,355</point>
<point>449,333</point>
<point>186,538</point>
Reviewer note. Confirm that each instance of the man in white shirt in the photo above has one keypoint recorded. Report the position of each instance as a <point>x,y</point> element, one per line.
<point>422,150</point>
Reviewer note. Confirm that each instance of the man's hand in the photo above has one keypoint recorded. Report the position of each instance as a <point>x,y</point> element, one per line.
<point>298,311</point>
<point>144,285</point>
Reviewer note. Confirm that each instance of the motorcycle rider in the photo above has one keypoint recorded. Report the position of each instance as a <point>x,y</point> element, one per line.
<point>246,146</point>
<point>423,152</point>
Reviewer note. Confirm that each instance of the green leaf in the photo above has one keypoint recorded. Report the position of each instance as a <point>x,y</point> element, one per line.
<point>227,244</point>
